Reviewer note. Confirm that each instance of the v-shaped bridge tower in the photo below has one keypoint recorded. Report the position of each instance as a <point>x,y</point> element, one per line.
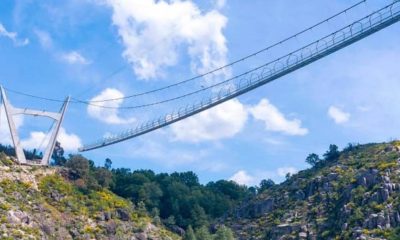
<point>56,116</point>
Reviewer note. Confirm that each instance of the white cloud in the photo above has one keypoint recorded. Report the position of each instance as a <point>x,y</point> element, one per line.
<point>275,121</point>
<point>108,115</point>
<point>70,142</point>
<point>338,115</point>
<point>47,43</point>
<point>45,39</point>
<point>228,119</point>
<point>220,3</point>
<point>37,139</point>
<point>13,36</point>
<point>253,179</point>
<point>74,58</point>
<point>153,33</point>
<point>241,177</point>
<point>285,170</point>
<point>222,121</point>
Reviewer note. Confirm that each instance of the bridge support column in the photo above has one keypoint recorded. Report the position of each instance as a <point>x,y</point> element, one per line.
<point>56,116</point>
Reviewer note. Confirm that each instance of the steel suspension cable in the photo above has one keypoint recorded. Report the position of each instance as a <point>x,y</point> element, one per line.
<point>88,102</point>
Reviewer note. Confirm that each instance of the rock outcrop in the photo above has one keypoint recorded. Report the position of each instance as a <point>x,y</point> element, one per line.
<point>356,196</point>
<point>37,203</point>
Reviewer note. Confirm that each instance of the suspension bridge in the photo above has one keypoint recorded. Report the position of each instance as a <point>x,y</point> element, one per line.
<point>268,72</point>
<point>215,90</point>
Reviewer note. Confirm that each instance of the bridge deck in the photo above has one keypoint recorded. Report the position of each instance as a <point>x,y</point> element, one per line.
<point>268,72</point>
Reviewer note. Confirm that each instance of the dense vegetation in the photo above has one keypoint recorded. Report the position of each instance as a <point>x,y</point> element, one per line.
<point>38,203</point>
<point>178,200</point>
<point>352,194</point>
<point>349,194</point>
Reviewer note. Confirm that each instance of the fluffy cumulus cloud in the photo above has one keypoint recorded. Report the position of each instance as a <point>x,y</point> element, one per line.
<point>13,36</point>
<point>222,121</point>
<point>338,115</point>
<point>37,139</point>
<point>106,111</point>
<point>69,141</point>
<point>275,120</point>
<point>74,57</point>
<point>154,33</point>
<point>243,178</point>
<point>254,178</point>
<point>228,119</point>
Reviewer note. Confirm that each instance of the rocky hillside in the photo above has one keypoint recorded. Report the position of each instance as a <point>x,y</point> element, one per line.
<point>355,195</point>
<point>38,203</point>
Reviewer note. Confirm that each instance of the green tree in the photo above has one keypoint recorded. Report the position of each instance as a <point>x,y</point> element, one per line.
<point>79,166</point>
<point>224,233</point>
<point>82,171</point>
<point>189,234</point>
<point>141,208</point>
<point>229,188</point>
<point>266,184</point>
<point>155,214</point>
<point>198,216</point>
<point>332,154</point>
<point>58,155</point>
<point>395,234</point>
<point>288,175</point>
<point>190,179</point>
<point>179,196</point>
<point>150,193</point>
<point>170,221</point>
<point>108,164</point>
<point>203,234</point>
<point>103,177</point>
<point>313,159</point>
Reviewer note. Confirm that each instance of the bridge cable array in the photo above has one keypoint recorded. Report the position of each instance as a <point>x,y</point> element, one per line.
<point>248,80</point>
<point>270,71</point>
<point>93,102</point>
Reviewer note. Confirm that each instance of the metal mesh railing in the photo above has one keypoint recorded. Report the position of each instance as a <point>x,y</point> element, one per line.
<point>268,72</point>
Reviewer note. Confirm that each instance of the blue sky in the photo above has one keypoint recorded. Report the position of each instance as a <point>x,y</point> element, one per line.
<point>99,49</point>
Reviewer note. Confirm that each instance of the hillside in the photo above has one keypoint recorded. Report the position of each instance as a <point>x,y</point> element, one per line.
<point>354,194</point>
<point>38,203</point>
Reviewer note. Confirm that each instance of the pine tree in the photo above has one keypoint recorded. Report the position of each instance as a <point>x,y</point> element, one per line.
<point>203,234</point>
<point>224,233</point>
<point>189,235</point>
<point>199,217</point>
<point>141,207</point>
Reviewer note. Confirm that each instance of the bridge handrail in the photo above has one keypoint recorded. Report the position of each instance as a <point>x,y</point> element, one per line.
<point>257,77</point>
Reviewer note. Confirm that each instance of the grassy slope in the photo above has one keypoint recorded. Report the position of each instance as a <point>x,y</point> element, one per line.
<point>46,206</point>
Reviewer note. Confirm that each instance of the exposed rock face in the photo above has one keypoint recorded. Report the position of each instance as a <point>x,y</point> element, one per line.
<point>18,217</point>
<point>25,174</point>
<point>36,203</point>
<point>123,214</point>
<point>255,209</point>
<point>356,196</point>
